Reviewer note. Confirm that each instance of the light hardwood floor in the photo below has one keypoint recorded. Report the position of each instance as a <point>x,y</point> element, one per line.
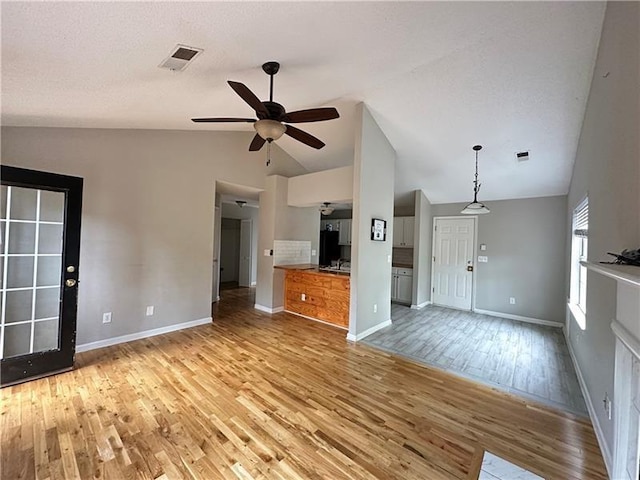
<point>260,396</point>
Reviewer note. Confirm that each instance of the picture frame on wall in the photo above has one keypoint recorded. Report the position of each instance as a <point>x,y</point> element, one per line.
<point>378,230</point>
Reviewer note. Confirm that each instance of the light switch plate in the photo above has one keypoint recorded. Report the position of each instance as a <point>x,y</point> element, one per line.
<point>483,259</point>
<point>483,246</point>
<point>267,253</point>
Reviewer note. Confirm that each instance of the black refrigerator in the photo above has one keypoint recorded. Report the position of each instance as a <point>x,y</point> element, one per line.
<point>329,247</point>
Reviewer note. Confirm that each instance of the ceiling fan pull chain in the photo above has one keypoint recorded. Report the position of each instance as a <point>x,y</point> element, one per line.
<point>269,151</point>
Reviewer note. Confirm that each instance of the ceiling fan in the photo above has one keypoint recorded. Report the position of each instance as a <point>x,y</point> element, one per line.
<point>272,116</point>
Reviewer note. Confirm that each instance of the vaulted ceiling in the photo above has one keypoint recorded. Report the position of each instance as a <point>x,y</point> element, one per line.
<point>439,77</point>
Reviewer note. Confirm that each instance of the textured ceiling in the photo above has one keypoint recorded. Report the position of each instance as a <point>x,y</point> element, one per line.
<point>438,77</point>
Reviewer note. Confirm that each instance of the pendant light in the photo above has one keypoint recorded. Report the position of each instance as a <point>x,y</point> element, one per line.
<point>475,207</point>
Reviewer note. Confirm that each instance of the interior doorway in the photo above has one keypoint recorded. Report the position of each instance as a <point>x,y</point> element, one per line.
<point>452,277</point>
<point>235,238</point>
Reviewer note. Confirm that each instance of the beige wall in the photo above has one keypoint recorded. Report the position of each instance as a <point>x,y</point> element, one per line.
<point>607,169</point>
<point>147,220</point>
<point>372,198</point>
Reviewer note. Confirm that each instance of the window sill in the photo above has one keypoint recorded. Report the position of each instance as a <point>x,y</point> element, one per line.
<point>578,315</point>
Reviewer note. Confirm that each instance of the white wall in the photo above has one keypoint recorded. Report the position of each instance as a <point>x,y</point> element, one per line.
<point>147,219</point>
<point>373,183</point>
<point>422,251</point>
<point>333,186</point>
<point>231,210</point>
<point>607,168</point>
<point>526,248</point>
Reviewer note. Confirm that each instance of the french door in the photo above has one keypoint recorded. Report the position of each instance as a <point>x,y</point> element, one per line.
<point>40,249</point>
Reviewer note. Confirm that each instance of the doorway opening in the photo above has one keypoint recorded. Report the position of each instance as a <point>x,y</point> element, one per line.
<point>236,223</point>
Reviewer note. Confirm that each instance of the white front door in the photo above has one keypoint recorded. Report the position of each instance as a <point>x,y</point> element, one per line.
<point>453,251</point>
<point>244,269</point>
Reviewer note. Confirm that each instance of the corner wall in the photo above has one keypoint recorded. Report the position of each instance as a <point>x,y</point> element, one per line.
<point>422,251</point>
<point>373,183</point>
<point>607,169</point>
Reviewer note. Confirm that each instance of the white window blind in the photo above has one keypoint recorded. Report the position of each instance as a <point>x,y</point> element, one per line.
<point>581,219</point>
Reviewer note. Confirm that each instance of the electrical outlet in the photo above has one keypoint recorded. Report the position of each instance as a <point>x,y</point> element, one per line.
<point>375,308</point>
<point>106,317</point>
<point>512,300</point>
<point>388,258</point>
<point>313,253</point>
<point>149,310</point>
<point>303,297</point>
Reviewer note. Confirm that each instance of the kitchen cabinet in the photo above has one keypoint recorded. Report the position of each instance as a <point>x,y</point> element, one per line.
<point>401,285</point>
<point>344,227</point>
<point>403,228</point>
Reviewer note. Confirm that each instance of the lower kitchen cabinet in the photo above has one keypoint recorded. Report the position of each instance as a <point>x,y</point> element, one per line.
<point>401,285</point>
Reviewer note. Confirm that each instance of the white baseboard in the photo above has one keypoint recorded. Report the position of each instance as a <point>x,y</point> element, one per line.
<point>140,335</point>
<point>604,448</point>
<point>369,331</point>
<point>262,308</point>
<point>519,318</point>
<point>317,320</point>
<point>420,305</point>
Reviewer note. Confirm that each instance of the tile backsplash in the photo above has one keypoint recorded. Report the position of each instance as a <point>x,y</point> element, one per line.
<point>291,252</point>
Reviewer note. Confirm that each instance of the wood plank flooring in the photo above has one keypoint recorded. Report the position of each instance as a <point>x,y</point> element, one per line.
<point>523,358</point>
<point>260,396</point>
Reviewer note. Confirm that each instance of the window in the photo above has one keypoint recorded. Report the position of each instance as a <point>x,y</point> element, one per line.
<point>579,244</point>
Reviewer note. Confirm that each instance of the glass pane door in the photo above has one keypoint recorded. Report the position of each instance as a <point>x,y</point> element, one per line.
<point>32,228</point>
<point>40,217</point>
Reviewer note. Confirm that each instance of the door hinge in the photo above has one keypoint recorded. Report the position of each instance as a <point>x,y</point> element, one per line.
<point>434,258</point>
<point>433,289</point>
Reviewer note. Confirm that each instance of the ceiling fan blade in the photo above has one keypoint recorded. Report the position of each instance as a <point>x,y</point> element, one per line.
<point>222,119</point>
<point>304,137</point>
<point>249,97</point>
<point>312,115</point>
<point>256,143</point>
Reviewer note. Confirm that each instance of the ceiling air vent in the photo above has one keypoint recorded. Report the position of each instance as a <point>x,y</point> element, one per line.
<point>180,57</point>
<point>522,156</point>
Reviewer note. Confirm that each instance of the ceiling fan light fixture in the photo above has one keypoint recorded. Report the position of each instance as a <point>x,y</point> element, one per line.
<point>269,129</point>
<point>325,209</point>
<point>476,207</point>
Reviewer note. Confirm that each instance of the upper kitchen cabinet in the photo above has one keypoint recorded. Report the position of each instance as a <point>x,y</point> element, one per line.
<point>344,227</point>
<point>403,228</point>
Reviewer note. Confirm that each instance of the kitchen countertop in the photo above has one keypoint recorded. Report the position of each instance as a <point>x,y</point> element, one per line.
<point>312,268</point>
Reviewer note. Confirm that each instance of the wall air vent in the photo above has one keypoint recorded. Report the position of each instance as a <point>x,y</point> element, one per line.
<point>522,156</point>
<point>180,57</point>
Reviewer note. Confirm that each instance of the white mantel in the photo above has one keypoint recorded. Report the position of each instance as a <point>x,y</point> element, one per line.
<point>626,328</point>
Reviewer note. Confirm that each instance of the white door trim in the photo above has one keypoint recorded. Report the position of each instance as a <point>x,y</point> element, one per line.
<point>247,226</point>
<point>474,247</point>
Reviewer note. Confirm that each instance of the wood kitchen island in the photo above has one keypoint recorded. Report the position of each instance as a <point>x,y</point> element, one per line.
<point>316,294</point>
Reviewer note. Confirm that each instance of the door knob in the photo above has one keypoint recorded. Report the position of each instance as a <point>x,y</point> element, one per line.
<point>70,282</point>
